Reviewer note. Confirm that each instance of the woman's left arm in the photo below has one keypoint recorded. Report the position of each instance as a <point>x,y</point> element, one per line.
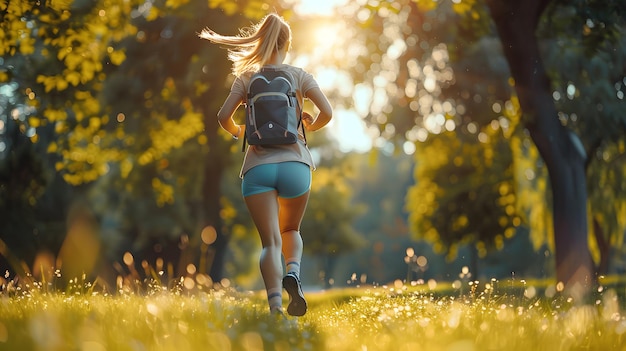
<point>326,111</point>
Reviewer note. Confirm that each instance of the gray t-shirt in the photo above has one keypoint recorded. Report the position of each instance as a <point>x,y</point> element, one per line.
<point>258,155</point>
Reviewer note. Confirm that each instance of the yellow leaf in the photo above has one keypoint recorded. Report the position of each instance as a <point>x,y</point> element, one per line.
<point>54,115</point>
<point>426,5</point>
<point>34,122</point>
<point>125,167</point>
<point>60,127</point>
<point>52,147</point>
<point>60,5</point>
<point>175,3</point>
<point>230,8</point>
<point>73,77</point>
<point>153,14</point>
<point>48,82</point>
<point>72,60</point>
<point>27,46</point>
<point>215,3</point>
<point>117,57</point>
<point>202,139</point>
<point>94,123</point>
<point>61,84</point>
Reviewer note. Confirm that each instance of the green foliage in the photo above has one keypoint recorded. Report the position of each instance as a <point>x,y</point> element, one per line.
<point>589,84</point>
<point>56,53</point>
<point>417,321</point>
<point>464,194</point>
<point>444,80</point>
<point>608,204</point>
<point>593,22</point>
<point>450,70</point>
<point>217,320</point>
<point>469,316</point>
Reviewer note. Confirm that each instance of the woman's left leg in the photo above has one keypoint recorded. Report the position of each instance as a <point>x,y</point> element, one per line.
<point>261,198</point>
<point>294,184</point>
<point>263,209</point>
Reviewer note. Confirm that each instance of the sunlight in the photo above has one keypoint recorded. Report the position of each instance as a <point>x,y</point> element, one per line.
<point>325,37</point>
<point>349,131</point>
<point>324,52</point>
<point>317,7</point>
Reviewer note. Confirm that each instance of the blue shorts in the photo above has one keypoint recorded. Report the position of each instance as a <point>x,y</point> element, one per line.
<point>289,179</point>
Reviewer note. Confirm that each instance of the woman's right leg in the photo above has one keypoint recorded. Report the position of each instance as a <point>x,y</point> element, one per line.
<point>290,214</point>
<point>294,184</point>
<point>294,187</point>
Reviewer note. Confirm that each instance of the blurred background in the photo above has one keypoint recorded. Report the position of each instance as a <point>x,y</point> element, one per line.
<point>113,168</point>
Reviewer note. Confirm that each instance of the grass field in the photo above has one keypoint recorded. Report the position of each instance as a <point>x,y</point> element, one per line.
<point>369,318</point>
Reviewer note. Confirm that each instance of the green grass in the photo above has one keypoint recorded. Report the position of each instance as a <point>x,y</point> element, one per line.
<point>368,318</point>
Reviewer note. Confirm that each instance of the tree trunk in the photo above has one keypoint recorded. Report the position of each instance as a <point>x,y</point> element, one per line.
<point>603,245</point>
<point>560,149</point>
<point>211,193</point>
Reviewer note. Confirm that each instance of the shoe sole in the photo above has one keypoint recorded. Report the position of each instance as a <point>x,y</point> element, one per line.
<point>297,303</point>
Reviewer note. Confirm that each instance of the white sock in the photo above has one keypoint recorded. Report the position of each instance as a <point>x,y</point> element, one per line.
<point>275,298</point>
<point>293,265</point>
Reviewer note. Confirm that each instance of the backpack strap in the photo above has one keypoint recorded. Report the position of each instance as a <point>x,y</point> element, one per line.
<point>243,144</point>
<point>295,97</point>
<point>300,123</point>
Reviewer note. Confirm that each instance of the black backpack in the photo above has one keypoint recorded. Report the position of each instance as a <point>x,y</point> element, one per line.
<point>272,116</point>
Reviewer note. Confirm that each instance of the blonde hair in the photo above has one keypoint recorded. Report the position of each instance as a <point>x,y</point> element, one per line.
<point>255,45</point>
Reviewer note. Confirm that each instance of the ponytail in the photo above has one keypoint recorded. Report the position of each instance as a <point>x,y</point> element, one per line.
<point>254,47</point>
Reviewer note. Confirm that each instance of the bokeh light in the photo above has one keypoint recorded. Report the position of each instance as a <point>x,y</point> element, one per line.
<point>208,235</point>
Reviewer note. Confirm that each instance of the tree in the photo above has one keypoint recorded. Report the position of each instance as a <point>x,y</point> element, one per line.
<point>66,60</point>
<point>22,182</point>
<point>440,95</point>
<point>50,71</point>
<point>167,79</point>
<point>587,70</point>
<point>561,149</point>
<point>414,25</point>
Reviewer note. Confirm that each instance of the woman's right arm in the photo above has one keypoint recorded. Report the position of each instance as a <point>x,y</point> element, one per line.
<point>225,116</point>
<point>322,104</point>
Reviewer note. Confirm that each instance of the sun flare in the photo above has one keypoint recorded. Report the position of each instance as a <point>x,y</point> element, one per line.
<point>317,7</point>
<point>325,48</point>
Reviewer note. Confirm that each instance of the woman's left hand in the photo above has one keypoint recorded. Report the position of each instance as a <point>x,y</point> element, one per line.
<point>307,120</point>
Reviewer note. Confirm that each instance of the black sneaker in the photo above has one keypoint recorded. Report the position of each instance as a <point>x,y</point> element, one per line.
<point>297,303</point>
